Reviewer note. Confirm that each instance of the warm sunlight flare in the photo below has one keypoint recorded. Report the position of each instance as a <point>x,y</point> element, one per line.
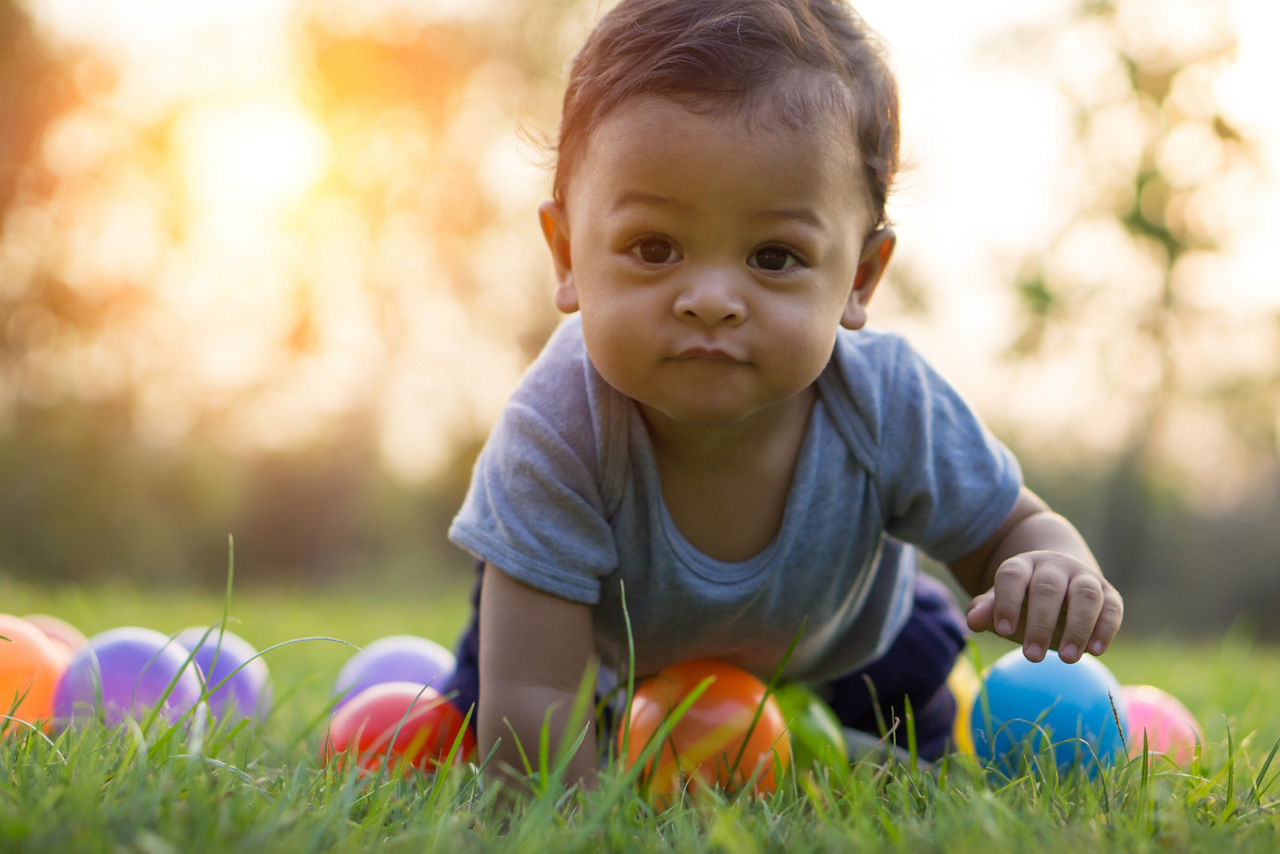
<point>246,162</point>
<point>289,215</point>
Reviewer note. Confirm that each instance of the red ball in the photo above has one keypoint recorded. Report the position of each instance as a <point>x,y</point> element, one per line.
<point>411,724</point>
<point>715,742</point>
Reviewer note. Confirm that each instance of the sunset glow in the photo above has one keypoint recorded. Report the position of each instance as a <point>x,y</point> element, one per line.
<point>286,240</point>
<point>249,160</point>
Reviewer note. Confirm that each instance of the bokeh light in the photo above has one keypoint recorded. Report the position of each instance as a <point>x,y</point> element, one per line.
<point>277,217</point>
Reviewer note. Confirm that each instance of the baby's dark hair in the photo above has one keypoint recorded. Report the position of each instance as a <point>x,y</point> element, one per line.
<point>735,55</point>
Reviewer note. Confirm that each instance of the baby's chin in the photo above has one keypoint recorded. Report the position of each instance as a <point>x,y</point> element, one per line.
<point>727,415</point>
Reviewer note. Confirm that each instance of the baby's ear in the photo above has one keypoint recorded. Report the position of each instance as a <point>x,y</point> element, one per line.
<point>555,228</point>
<point>874,260</point>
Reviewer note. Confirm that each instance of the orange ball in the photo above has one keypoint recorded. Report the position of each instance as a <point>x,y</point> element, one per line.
<point>30,667</point>
<point>715,742</point>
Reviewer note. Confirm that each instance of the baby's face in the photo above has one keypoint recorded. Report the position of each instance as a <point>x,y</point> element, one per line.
<point>712,259</point>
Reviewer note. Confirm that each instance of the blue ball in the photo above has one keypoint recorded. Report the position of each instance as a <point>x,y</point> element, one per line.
<point>1027,708</point>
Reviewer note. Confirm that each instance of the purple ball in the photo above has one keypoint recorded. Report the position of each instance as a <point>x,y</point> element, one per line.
<point>127,671</point>
<point>396,658</point>
<point>237,683</point>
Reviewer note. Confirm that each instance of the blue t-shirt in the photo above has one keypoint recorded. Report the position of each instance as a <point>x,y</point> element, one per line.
<point>565,497</point>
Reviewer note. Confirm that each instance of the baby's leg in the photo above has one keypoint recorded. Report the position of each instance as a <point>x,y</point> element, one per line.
<point>915,666</point>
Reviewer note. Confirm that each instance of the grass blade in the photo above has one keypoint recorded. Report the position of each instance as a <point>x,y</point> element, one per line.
<point>1258,782</point>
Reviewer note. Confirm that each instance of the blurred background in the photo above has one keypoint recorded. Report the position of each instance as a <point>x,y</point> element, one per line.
<point>269,269</point>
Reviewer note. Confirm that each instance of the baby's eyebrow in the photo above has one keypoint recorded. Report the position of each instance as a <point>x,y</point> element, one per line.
<point>631,198</point>
<point>805,216</point>
<point>640,198</point>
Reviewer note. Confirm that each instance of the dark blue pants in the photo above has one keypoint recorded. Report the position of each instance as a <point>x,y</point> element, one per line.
<point>915,667</point>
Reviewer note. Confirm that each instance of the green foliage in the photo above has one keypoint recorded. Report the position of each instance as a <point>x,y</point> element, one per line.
<point>84,500</point>
<point>1071,291</point>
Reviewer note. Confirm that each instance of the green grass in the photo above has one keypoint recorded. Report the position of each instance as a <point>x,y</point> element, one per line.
<point>263,789</point>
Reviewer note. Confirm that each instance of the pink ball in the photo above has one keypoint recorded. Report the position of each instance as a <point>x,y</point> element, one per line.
<point>58,630</point>
<point>1171,730</point>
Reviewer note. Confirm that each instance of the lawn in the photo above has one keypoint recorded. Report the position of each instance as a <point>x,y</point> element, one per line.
<point>263,789</point>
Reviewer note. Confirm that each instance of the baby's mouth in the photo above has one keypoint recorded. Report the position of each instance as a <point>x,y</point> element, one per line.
<point>706,354</point>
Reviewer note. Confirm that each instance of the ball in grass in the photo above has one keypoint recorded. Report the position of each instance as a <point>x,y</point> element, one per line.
<point>57,630</point>
<point>30,666</point>
<point>816,734</point>
<point>733,734</point>
<point>127,672</point>
<point>395,658</point>
<point>405,725</point>
<point>1025,708</point>
<point>237,682</point>
<point>1162,723</point>
<point>964,682</point>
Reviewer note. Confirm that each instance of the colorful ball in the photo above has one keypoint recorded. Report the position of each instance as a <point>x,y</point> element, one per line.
<point>30,666</point>
<point>238,684</point>
<point>401,724</point>
<point>732,734</point>
<point>57,630</point>
<point>1168,726</point>
<point>127,672</point>
<point>1026,708</point>
<point>396,658</point>
<point>816,734</point>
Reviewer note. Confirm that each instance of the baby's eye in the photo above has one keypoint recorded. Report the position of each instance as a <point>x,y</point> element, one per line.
<point>774,258</point>
<point>655,250</point>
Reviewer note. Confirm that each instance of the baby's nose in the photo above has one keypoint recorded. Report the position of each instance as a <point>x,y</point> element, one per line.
<point>711,298</point>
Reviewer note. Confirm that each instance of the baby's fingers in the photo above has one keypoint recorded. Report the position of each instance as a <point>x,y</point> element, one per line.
<point>1084,603</point>
<point>1010,593</point>
<point>1109,619</point>
<point>980,615</point>
<point>1046,595</point>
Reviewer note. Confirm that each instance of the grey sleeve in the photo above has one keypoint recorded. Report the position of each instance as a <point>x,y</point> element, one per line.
<point>946,482</point>
<point>534,508</point>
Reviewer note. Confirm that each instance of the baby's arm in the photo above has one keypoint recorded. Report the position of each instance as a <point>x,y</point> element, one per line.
<point>534,650</point>
<point>1036,581</point>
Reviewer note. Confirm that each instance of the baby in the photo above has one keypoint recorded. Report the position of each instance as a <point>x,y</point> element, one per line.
<point>713,457</point>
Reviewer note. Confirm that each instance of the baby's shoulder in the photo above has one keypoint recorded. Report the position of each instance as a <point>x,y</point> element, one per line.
<point>874,377</point>
<point>877,350</point>
<point>558,383</point>
<point>866,366</point>
<point>563,354</point>
<point>563,404</point>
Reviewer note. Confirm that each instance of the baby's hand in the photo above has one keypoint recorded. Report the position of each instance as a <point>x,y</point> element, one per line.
<point>1049,600</point>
